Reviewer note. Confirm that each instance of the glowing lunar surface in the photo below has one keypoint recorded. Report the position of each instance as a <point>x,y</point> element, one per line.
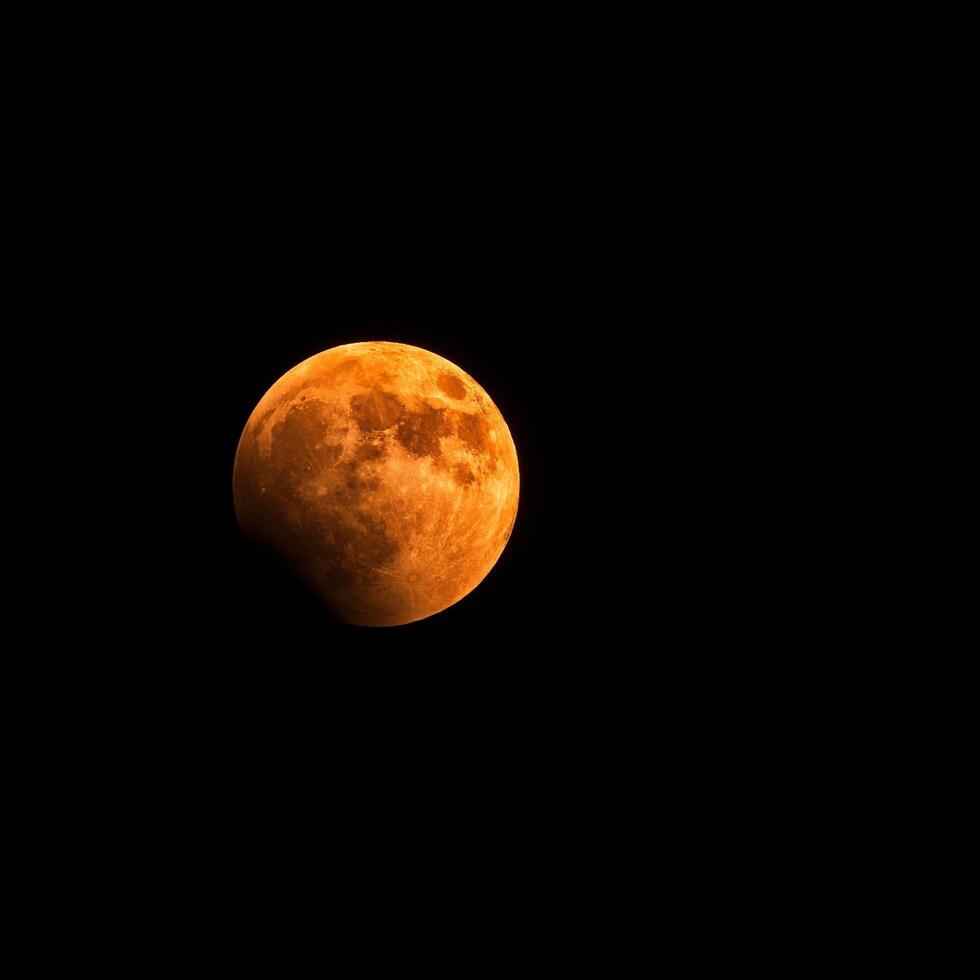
<point>384,475</point>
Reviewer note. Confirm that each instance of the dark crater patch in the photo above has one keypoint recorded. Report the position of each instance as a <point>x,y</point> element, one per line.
<point>419,432</point>
<point>368,451</point>
<point>343,369</point>
<point>452,386</point>
<point>376,410</point>
<point>474,431</point>
<point>462,474</point>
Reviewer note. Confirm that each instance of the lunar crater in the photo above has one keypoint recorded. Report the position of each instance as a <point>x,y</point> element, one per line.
<point>452,386</point>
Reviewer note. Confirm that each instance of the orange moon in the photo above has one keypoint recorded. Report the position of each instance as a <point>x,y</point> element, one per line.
<point>384,475</point>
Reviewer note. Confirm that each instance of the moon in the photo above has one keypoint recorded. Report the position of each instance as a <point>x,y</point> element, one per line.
<point>384,475</point>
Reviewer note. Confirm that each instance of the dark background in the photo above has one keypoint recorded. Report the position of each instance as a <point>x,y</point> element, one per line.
<point>566,355</point>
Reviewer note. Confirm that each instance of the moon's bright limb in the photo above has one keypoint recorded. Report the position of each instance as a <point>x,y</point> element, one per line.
<point>384,475</point>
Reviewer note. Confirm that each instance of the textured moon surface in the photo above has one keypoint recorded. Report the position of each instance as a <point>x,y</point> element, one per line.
<point>384,475</point>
